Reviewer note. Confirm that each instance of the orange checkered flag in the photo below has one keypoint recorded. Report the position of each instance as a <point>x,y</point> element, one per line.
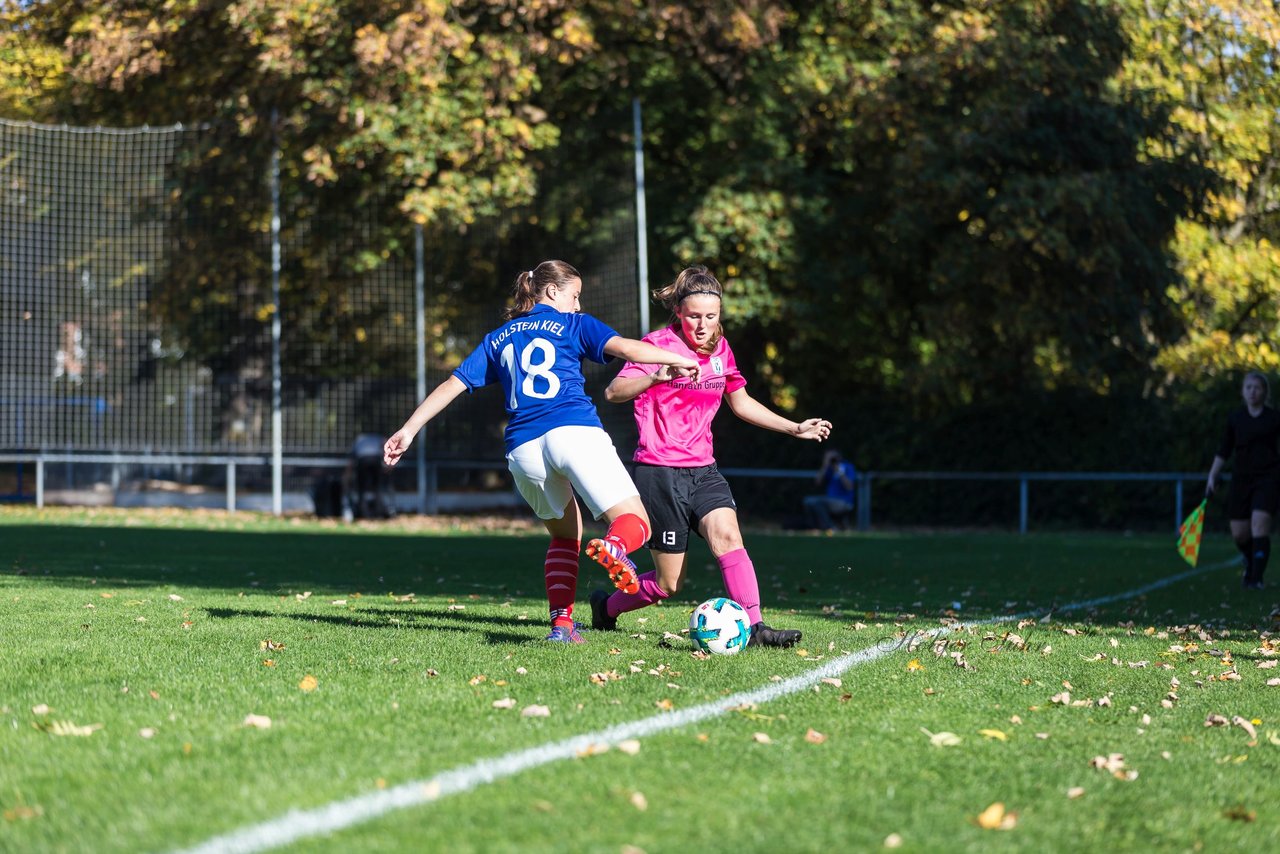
<point>1189,535</point>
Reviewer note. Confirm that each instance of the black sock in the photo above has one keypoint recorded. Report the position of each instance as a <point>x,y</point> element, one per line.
<point>1261,551</point>
<point>1246,549</point>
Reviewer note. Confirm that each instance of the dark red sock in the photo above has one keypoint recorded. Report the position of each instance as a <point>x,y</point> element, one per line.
<point>630,530</point>
<point>561,573</point>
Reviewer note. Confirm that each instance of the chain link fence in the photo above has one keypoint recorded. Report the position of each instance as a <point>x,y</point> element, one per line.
<point>136,300</point>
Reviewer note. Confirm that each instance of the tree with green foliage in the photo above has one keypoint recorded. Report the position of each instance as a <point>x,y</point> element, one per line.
<point>1215,63</point>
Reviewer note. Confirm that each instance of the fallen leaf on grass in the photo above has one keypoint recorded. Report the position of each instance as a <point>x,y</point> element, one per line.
<point>270,644</point>
<point>69,728</point>
<point>1273,683</point>
<point>535,712</point>
<point>40,709</point>
<point>629,746</point>
<point>914,665</point>
<point>1111,763</point>
<point>639,801</point>
<point>257,721</point>
<point>665,704</point>
<point>762,738</point>
<point>833,682</point>
<point>814,737</point>
<point>1075,792</point>
<point>504,703</point>
<point>1216,720</point>
<point>995,817</point>
<point>893,840</point>
<point>147,732</point>
<point>308,684</point>
<point>338,602</point>
<point>174,597</point>
<point>1239,813</point>
<point>993,733</point>
<point>302,597</point>
<point>941,739</point>
<point>22,812</point>
<point>1245,725</point>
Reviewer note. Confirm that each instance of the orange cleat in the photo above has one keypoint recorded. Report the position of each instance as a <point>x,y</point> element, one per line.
<point>622,572</point>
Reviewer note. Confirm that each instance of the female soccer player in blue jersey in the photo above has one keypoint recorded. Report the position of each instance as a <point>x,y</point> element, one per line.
<point>554,439</point>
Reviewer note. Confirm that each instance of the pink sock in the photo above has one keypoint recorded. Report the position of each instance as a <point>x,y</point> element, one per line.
<point>650,592</point>
<point>740,582</point>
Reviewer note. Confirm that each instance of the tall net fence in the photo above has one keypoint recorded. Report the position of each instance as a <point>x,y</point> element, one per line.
<point>136,296</point>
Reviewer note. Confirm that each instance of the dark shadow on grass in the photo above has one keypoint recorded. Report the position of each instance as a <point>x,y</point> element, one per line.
<point>354,621</point>
<point>844,580</point>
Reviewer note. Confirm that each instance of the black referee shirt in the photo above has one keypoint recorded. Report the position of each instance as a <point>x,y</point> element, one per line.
<point>1254,442</point>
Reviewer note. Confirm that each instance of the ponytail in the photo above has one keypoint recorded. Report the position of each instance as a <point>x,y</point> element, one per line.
<point>532,284</point>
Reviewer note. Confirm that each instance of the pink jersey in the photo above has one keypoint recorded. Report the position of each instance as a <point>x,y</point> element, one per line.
<point>675,418</point>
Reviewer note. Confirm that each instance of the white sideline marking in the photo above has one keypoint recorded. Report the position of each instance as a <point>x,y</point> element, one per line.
<point>337,815</point>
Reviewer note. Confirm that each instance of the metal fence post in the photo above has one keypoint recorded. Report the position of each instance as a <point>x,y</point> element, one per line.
<point>40,482</point>
<point>1177,504</point>
<point>231,486</point>
<point>1022,505</point>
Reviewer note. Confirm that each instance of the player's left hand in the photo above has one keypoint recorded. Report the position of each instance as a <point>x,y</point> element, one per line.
<point>817,429</point>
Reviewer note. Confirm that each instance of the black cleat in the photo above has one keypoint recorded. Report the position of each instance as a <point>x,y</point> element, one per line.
<point>600,618</point>
<point>762,635</point>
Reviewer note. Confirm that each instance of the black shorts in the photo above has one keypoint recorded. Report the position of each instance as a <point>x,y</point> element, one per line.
<point>1249,494</point>
<point>677,500</point>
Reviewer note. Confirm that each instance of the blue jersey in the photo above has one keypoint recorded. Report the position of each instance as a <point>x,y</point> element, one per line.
<point>538,359</point>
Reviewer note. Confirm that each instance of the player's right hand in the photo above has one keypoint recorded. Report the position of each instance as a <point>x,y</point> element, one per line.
<point>688,368</point>
<point>395,447</point>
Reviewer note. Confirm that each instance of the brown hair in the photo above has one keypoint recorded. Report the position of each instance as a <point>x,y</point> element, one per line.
<point>532,284</point>
<point>692,281</point>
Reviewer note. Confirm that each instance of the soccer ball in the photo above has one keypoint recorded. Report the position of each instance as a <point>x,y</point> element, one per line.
<point>720,626</point>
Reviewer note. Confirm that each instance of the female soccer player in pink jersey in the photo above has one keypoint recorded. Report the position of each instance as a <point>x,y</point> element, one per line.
<point>675,466</point>
<point>555,442</point>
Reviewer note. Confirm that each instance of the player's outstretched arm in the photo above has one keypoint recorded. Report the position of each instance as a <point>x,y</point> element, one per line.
<point>644,353</point>
<point>754,412</point>
<point>432,406</point>
<point>623,389</point>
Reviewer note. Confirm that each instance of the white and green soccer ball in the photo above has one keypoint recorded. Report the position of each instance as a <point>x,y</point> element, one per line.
<point>720,626</point>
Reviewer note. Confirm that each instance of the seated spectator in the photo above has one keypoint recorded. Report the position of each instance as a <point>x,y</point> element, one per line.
<point>366,481</point>
<point>838,477</point>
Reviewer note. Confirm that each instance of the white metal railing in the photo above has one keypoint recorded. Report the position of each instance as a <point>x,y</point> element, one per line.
<point>428,486</point>
<point>428,491</point>
<point>866,479</point>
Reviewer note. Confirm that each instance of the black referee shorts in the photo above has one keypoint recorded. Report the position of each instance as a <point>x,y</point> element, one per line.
<point>1248,494</point>
<point>677,499</point>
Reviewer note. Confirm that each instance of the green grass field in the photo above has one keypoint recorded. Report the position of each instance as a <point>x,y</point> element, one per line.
<point>133,647</point>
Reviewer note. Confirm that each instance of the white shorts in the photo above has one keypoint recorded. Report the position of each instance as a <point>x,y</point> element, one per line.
<point>548,469</point>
